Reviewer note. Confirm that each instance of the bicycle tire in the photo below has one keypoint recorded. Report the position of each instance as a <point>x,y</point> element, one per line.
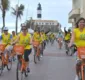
<point>35,57</point>
<point>9,65</point>
<point>26,73</point>
<point>1,67</point>
<point>35,61</point>
<point>19,74</point>
<point>38,58</point>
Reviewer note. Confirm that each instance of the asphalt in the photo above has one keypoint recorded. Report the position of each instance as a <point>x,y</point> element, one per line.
<point>54,65</point>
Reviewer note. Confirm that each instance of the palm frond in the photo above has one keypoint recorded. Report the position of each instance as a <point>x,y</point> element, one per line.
<point>5,4</point>
<point>14,11</point>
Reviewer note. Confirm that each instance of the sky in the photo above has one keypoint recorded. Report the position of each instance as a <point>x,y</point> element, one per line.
<point>51,10</point>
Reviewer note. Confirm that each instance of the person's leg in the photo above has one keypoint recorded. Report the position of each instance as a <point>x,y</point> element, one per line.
<point>41,50</point>
<point>26,57</point>
<point>8,52</point>
<point>78,69</point>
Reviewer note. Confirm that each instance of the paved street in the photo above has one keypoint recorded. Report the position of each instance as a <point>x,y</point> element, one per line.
<point>54,65</point>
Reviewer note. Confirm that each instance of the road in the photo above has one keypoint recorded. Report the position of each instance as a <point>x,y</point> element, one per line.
<point>54,65</point>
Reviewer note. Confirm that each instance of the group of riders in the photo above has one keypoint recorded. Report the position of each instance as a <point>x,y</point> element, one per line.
<point>77,37</point>
<point>23,38</point>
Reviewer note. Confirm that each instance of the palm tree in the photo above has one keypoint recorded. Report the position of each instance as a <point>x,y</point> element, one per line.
<point>4,6</point>
<point>18,12</point>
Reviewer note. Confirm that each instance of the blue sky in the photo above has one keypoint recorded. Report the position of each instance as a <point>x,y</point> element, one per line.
<point>51,9</point>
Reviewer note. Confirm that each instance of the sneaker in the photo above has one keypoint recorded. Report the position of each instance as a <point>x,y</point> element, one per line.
<point>28,69</point>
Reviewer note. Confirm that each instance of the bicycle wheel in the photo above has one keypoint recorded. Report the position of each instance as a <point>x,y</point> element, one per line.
<point>9,65</point>
<point>19,74</point>
<point>67,50</point>
<point>1,67</point>
<point>72,51</point>
<point>35,57</point>
<point>26,73</point>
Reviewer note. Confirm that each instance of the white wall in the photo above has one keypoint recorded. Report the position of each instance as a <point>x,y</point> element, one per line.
<point>76,4</point>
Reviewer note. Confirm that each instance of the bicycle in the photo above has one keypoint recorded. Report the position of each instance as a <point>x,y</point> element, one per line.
<point>4,60</point>
<point>36,51</point>
<point>21,64</point>
<point>81,55</point>
<point>70,51</point>
<point>60,42</point>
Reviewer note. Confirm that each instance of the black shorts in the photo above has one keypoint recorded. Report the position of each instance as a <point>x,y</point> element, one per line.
<point>27,52</point>
<point>67,41</point>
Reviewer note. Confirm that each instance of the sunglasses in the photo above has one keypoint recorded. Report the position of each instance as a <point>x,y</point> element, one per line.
<point>24,29</point>
<point>5,30</point>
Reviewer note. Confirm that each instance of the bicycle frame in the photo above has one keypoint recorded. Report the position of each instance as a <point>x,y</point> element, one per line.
<point>4,59</point>
<point>19,49</point>
<point>81,55</point>
<point>37,51</point>
<point>36,45</point>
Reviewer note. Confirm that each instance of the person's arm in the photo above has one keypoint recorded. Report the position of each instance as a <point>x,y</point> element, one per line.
<point>72,39</point>
<point>16,40</point>
<point>65,30</point>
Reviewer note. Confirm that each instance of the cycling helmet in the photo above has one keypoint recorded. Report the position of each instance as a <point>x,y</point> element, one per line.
<point>5,29</point>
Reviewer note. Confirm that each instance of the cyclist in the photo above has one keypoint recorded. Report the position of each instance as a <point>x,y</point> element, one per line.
<point>14,37</point>
<point>52,38</point>
<point>78,37</point>
<point>24,38</point>
<point>67,37</point>
<point>37,38</point>
<point>60,39</point>
<point>43,36</point>
<point>43,44</point>
<point>6,39</point>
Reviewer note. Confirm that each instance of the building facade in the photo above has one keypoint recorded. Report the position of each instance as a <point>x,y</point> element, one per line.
<point>46,25</point>
<point>78,10</point>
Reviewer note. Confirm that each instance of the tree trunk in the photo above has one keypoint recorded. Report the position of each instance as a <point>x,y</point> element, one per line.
<point>3,16</point>
<point>16,23</point>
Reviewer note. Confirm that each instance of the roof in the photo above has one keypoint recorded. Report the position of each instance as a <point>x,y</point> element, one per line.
<point>45,20</point>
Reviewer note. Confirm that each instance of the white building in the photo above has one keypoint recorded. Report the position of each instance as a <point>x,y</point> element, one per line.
<point>45,25</point>
<point>78,10</point>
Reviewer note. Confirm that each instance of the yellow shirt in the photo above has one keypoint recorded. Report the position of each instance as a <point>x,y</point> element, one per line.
<point>67,36</point>
<point>25,40</point>
<point>14,38</point>
<point>79,37</point>
<point>52,36</point>
<point>6,39</point>
<point>37,37</point>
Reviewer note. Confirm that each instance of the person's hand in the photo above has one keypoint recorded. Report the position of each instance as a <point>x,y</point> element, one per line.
<point>12,43</point>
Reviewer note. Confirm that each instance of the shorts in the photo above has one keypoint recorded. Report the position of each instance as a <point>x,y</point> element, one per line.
<point>8,49</point>
<point>67,41</point>
<point>27,52</point>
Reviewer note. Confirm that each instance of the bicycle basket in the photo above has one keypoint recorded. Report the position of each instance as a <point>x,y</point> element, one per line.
<point>81,52</point>
<point>19,49</point>
<point>60,39</point>
<point>35,43</point>
<point>2,47</point>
